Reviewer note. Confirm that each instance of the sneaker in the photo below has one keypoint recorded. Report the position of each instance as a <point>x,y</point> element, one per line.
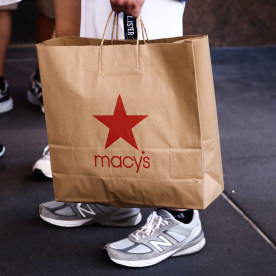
<point>161,237</point>
<point>67,214</point>
<point>2,150</point>
<point>34,94</point>
<point>6,102</point>
<point>43,165</point>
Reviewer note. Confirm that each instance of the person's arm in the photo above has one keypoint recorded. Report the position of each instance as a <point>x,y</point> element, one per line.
<point>130,7</point>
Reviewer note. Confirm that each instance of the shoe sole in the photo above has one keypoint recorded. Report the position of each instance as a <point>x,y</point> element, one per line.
<point>128,222</point>
<point>144,263</point>
<point>6,105</point>
<point>66,223</point>
<point>192,249</point>
<point>39,174</point>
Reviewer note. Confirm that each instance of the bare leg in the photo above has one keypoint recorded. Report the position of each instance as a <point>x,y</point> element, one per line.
<point>44,27</point>
<point>68,17</point>
<point>5,35</point>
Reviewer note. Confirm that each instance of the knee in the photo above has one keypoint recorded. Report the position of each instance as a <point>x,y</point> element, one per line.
<point>63,28</point>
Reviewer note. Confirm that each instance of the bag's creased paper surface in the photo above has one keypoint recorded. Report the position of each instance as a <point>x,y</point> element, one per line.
<point>132,126</point>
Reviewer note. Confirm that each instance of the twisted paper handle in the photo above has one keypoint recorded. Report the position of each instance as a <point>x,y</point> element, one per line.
<point>116,22</point>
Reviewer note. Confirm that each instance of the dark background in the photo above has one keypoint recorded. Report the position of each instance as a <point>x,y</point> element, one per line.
<point>228,23</point>
<point>232,23</point>
<point>244,80</point>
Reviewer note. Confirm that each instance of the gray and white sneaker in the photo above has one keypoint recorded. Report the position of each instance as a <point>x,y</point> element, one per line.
<point>161,237</point>
<point>6,101</point>
<point>67,214</point>
<point>34,93</point>
<point>42,166</point>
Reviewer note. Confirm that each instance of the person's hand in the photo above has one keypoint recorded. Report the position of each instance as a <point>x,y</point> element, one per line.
<point>130,7</point>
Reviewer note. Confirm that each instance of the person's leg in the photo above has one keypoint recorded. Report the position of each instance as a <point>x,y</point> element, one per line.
<point>6,102</point>
<point>168,232</point>
<point>177,238</point>
<point>78,214</point>
<point>5,35</point>
<point>45,23</point>
<point>67,17</point>
<point>44,27</point>
<point>67,23</point>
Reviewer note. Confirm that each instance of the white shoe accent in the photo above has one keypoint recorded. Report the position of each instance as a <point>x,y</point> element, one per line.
<point>43,164</point>
<point>144,263</point>
<point>66,223</point>
<point>138,219</point>
<point>31,98</point>
<point>6,105</point>
<point>3,151</point>
<point>193,249</point>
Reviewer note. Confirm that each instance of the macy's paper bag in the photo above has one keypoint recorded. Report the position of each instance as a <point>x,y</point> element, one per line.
<point>132,125</point>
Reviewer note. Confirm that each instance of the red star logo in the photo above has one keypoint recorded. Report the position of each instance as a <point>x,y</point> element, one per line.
<point>120,124</point>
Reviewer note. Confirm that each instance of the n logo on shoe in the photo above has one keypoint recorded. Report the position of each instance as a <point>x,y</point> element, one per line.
<point>164,242</point>
<point>84,210</point>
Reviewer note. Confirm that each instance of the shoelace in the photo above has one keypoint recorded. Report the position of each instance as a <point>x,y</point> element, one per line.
<point>46,150</point>
<point>153,223</point>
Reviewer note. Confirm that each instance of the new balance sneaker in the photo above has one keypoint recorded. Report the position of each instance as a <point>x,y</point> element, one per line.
<point>34,94</point>
<point>43,165</point>
<point>2,150</point>
<point>78,214</point>
<point>6,102</point>
<point>161,237</point>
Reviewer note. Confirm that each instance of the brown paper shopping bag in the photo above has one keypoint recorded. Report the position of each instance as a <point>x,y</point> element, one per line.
<point>132,125</point>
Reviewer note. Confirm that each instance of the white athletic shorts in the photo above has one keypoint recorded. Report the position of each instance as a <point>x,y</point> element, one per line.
<point>162,19</point>
<point>9,4</point>
<point>46,7</point>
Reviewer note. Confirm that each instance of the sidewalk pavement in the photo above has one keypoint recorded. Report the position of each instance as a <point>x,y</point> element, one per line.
<point>240,226</point>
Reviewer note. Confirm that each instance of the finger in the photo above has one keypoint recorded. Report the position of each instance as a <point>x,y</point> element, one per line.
<point>128,9</point>
<point>136,11</point>
<point>116,8</point>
